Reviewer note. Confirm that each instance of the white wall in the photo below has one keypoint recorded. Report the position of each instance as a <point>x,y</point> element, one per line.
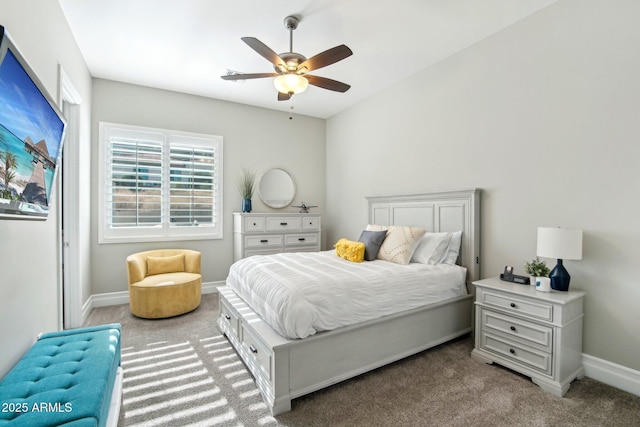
<point>29,294</point>
<point>544,118</point>
<point>254,138</point>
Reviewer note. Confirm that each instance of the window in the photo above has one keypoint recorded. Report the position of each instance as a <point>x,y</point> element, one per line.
<point>159,184</point>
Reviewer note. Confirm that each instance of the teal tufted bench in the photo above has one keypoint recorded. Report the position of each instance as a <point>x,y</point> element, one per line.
<point>71,378</point>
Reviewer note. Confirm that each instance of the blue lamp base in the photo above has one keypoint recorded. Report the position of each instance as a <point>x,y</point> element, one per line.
<point>560,277</point>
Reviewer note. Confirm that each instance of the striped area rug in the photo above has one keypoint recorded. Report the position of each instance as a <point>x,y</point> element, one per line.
<point>189,383</point>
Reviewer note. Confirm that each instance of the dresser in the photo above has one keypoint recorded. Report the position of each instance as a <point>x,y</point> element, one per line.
<point>257,233</point>
<point>538,334</point>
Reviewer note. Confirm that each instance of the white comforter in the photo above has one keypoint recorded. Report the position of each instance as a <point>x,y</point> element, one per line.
<point>300,294</point>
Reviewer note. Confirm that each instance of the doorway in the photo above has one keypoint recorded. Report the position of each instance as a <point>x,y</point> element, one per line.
<point>70,261</point>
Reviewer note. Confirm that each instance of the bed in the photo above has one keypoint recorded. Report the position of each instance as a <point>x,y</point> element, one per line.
<point>288,367</point>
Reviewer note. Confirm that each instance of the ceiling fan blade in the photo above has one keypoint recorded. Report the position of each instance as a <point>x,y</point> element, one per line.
<point>325,58</point>
<point>247,76</point>
<point>284,96</point>
<point>265,51</point>
<point>326,83</point>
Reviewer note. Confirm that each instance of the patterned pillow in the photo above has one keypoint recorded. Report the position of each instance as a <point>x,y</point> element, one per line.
<point>400,243</point>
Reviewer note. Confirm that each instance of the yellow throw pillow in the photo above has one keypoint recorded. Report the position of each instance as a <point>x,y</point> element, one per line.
<point>165,264</point>
<point>349,250</point>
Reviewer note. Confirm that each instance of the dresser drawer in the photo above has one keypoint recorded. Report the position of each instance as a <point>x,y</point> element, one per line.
<point>263,241</point>
<point>311,223</point>
<point>529,332</point>
<point>301,239</point>
<point>254,223</point>
<point>529,308</point>
<point>259,354</point>
<point>229,318</point>
<point>284,223</point>
<point>518,353</point>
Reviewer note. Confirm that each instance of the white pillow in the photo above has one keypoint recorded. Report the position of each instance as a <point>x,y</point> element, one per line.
<point>432,248</point>
<point>400,243</point>
<point>454,249</point>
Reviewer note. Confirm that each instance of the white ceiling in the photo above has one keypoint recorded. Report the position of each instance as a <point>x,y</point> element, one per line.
<point>186,45</point>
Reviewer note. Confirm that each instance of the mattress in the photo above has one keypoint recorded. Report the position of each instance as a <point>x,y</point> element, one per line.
<point>302,293</point>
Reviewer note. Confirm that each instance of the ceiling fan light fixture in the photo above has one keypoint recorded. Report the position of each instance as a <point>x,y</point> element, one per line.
<point>291,83</point>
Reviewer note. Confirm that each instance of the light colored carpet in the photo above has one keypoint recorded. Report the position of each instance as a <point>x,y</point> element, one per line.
<point>182,371</point>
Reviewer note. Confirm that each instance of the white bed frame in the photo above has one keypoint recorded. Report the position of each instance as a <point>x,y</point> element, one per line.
<point>285,369</point>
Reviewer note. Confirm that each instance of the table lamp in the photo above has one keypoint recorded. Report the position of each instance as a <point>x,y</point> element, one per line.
<point>559,243</point>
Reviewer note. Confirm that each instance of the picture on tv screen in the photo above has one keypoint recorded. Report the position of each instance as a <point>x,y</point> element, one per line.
<point>31,135</point>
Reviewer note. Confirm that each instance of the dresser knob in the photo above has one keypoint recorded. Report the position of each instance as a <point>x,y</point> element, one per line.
<point>513,328</point>
<point>253,349</point>
<point>513,305</point>
<point>512,351</point>
<point>226,316</point>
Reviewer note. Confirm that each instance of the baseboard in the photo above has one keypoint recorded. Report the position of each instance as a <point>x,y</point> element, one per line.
<point>609,373</point>
<point>117,298</point>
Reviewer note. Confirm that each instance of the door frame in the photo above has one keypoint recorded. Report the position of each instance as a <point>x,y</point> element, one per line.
<point>69,276</point>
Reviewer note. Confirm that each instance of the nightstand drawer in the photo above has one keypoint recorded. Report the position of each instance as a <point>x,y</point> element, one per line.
<point>264,241</point>
<point>518,353</point>
<point>531,333</point>
<point>529,308</point>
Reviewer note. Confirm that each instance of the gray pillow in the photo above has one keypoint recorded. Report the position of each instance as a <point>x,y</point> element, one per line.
<point>372,241</point>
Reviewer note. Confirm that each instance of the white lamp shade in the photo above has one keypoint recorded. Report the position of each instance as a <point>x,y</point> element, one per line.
<point>560,243</point>
<point>290,83</point>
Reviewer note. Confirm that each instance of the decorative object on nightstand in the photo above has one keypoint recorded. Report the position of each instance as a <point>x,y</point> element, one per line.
<point>537,334</point>
<point>246,186</point>
<point>559,243</point>
<point>537,268</point>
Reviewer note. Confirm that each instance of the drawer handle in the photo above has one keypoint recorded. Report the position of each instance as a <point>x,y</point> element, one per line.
<point>513,328</point>
<point>264,241</point>
<point>283,223</point>
<point>513,305</point>
<point>253,349</point>
<point>226,316</point>
<point>512,351</point>
<point>254,224</point>
<point>301,239</point>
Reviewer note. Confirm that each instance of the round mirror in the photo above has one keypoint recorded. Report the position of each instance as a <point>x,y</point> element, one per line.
<point>276,188</point>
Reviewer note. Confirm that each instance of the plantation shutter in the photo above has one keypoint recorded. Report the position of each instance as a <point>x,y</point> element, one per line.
<point>192,184</point>
<point>159,185</point>
<point>135,179</point>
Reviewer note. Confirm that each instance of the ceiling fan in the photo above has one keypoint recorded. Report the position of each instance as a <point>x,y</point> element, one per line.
<point>291,68</point>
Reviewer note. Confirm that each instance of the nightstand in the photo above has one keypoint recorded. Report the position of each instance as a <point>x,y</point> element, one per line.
<point>538,334</point>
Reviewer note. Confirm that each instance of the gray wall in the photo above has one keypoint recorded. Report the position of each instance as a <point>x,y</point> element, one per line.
<point>254,138</point>
<point>29,294</point>
<point>542,116</point>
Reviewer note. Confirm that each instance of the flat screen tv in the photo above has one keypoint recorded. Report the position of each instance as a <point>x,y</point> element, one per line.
<point>32,130</point>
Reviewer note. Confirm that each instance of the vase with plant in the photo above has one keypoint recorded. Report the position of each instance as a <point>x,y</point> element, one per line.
<point>246,186</point>
<point>536,268</point>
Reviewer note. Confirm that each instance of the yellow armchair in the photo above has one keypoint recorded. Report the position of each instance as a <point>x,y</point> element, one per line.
<point>164,283</point>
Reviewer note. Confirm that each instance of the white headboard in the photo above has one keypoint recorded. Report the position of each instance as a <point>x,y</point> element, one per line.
<point>437,212</point>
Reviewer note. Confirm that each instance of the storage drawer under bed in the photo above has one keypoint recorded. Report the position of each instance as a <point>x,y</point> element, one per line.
<point>257,352</point>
